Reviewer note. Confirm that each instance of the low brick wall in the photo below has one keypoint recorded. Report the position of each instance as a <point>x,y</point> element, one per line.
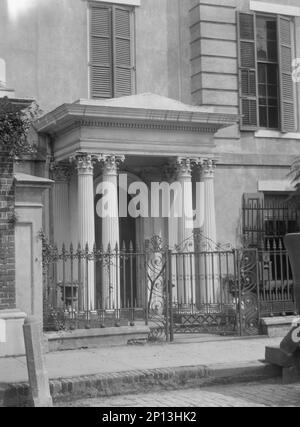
<point>7,238</point>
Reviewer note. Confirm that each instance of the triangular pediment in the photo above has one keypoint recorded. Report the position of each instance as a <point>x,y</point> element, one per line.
<point>145,101</point>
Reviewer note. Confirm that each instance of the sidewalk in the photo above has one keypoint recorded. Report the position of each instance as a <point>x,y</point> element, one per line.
<point>185,353</point>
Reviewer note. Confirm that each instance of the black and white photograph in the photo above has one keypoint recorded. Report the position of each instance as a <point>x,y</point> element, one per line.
<point>149,206</point>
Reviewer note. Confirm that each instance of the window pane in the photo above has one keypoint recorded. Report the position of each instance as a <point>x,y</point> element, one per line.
<point>272,91</point>
<point>266,38</point>
<point>262,91</point>
<point>262,101</point>
<point>272,74</point>
<point>263,119</point>
<point>271,30</point>
<point>273,102</point>
<point>272,51</point>
<point>273,117</point>
<point>261,38</point>
<point>262,73</point>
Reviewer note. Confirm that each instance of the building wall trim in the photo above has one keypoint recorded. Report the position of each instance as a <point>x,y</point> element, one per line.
<point>280,9</point>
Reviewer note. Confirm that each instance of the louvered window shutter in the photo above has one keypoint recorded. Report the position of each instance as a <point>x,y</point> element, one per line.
<point>287,102</point>
<point>101,72</point>
<point>122,58</point>
<point>247,71</point>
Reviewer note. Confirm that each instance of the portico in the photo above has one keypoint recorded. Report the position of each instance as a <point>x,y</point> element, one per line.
<point>148,139</point>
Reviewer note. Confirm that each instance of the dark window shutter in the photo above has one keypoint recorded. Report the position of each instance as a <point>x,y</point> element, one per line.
<point>101,52</point>
<point>287,101</point>
<point>123,62</point>
<point>247,71</point>
<point>253,225</point>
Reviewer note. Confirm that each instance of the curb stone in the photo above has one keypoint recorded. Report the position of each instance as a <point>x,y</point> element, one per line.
<point>133,382</point>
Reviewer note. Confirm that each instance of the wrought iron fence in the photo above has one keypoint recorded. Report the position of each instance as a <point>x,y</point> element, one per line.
<point>191,291</point>
<point>205,292</point>
<point>267,221</point>
<point>90,287</point>
<point>276,286</point>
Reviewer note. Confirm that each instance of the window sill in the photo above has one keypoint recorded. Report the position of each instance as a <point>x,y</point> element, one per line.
<point>274,134</point>
<point>124,2</point>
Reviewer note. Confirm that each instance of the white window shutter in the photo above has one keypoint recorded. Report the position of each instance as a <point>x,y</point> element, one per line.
<point>101,71</point>
<point>287,101</point>
<point>247,71</point>
<point>123,57</point>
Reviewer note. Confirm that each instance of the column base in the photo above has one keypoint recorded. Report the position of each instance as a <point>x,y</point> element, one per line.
<point>11,333</point>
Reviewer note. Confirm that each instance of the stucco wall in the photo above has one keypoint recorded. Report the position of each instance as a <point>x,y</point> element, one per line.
<point>231,183</point>
<point>46,49</point>
<point>46,54</point>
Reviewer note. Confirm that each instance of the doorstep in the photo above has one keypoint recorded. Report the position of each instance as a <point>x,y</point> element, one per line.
<point>275,327</point>
<point>95,338</point>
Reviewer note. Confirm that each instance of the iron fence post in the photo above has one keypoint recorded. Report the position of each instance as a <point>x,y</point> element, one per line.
<point>237,273</point>
<point>166,308</point>
<point>170,290</point>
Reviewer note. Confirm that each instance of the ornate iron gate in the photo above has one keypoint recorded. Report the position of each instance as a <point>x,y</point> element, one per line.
<point>192,292</point>
<point>174,292</point>
<point>158,290</point>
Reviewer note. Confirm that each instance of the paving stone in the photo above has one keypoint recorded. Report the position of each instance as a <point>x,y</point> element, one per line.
<point>260,394</point>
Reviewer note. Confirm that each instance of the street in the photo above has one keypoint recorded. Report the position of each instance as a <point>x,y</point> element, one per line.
<point>266,394</point>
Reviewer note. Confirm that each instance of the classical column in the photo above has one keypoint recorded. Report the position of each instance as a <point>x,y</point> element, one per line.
<point>86,223</point>
<point>209,226</point>
<point>185,257</point>
<point>209,277</point>
<point>61,174</point>
<point>111,297</point>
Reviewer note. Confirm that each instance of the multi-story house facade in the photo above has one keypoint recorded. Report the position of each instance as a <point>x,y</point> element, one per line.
<point>192,91</point>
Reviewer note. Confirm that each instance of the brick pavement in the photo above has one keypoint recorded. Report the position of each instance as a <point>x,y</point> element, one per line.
<point>261,394</point>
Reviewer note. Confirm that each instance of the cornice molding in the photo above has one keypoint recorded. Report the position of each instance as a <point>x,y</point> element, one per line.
<point>71,115</point>
<point>147,125</point>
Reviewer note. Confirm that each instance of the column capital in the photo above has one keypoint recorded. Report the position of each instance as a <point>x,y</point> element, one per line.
<point>208,167</point>
<point>110,163</point>
<point>185,165</point>
<point>61,171</point>
<point>85,162</point>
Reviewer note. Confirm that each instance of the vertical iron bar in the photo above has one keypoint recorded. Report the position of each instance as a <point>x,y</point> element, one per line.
<point>237,274</point>
<point>192,279</point>
<point>166,291</point>
<point>87,280</point>
<point>72,281</point>
<point>146,289</point>
<point>64,276</point>
<point>170,290</point>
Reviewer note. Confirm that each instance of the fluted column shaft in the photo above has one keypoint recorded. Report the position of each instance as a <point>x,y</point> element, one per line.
<point>60,173</point>
<point>86,223</point>
<point>111,296</point>
<point>209,278</point>
<point>185,264</point>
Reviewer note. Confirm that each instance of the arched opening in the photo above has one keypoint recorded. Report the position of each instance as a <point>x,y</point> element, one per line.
<point>126,259</point>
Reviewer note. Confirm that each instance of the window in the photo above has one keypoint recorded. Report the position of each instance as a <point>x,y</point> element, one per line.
<point>265,69</point>
<point>267,65</point>
<point>267,219</point>
<point>111,51</point>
